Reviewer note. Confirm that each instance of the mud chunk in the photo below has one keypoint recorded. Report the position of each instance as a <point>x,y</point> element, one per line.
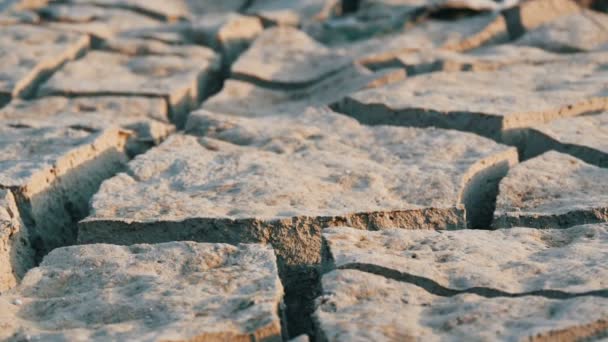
<point>552,190</point>
<point>498,263</point>
<point>281,179</point>
<point>247,99</point>
<point>147,118</point>
<point>53,171</point>
<point>180,75</point>
<point>585,137</point>
<point>488,103</point>
<point>100,22</point>
<point>29,53</point>
<point>359,306</point>
<point>174,291</point>
<point>287,57</point>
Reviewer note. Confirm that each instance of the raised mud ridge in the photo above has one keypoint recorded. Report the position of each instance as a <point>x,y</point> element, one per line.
<point>320,170</point>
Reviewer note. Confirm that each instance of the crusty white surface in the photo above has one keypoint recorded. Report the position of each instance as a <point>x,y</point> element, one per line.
<point>317,163</point>
<point>174,291</point>
<point>517,260</point>
<point>359,306</point>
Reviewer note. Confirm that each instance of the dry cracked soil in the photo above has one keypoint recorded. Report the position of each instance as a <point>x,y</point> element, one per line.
<point>303,170</point>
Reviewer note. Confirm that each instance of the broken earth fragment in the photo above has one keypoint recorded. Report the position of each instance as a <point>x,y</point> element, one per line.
<point>498,263</point>
<point>170,10</point>
<point>305,171</point>
<point>287,57</point>
<point>552,190</point>
<point>247,99</point>
<point>29,53</point>
<point>359,306</point>
<point>488,103</point>
<point>53,171</point>
<point>178,291</point>
<point>147,118</point>
<point>482,59</point>
<point>100,22</point>
<point>582,31</point>
<point>180,75</point>
<point>585,137</point>
<point>16,253</point>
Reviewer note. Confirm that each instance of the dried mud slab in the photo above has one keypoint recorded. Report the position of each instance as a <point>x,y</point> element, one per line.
<point>284,57</point>
<point>372,18</point>
<point>292,12</point>
<point>552,190</point>
<point>147,118</point>
<point>53,171</point>
<point>247,99</point>
<point>16,254</point>
<point>488,103</point>
<point>178,291</point>
<point>457,35</point>
<point>97,21</point>
<point>553,263</point>
<point>28,54</point>
<point>482,59</point>
<point>582,31</point>
<point>229,33</point>
<point>180,75</point>
<point>359,306</point>
<point>585,137</point>
<point>282,179</point>
<point>529,15</point>
<point>170,10</point>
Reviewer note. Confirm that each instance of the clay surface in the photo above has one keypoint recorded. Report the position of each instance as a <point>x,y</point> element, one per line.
<point>359,306</point>
<point>487,103</point>
<point>29,53</point>
<point>247,99</point>
<point>175,291</point>
<point>256,175</point>
<point>553,262</point>
<point>180,76</point>
<point>582,31</point>
<point>97,21</point>
<point>584,137</point>
<point>146,118</point>
<point>285,56</point>
<point>552,190</point>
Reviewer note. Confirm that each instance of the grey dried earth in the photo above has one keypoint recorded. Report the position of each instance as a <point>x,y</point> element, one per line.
<point>284,170</point>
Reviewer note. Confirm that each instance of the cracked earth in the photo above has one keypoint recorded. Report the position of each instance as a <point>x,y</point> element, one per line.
<point>319,170</point>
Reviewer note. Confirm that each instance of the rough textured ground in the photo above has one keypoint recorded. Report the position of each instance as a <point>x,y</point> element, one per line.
<point>424,125</point>
<point>175,291</point>
<point>552,190</point>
